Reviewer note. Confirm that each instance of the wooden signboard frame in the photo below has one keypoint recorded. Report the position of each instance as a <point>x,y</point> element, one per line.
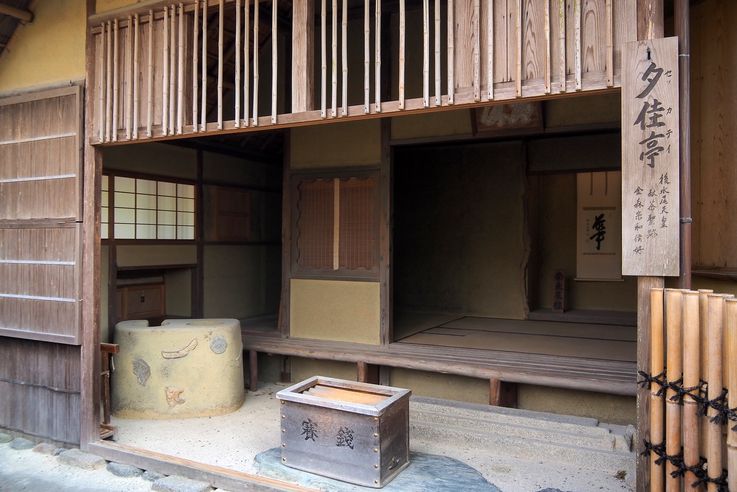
<point>650,156</point>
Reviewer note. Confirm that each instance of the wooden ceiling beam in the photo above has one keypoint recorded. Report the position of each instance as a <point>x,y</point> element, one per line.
<point>24,16</point>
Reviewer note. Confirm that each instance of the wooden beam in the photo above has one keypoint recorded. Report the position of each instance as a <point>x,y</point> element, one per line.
<point>24,16</point>
<point>303,56</point>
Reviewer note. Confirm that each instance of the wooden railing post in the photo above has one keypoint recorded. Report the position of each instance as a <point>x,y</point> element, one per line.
<point>303,52</point>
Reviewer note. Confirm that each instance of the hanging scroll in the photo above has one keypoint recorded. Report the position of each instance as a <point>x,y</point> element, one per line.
<point>650,178</point>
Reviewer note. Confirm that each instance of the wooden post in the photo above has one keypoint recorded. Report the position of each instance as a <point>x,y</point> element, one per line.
<point>715,380</point>
<point>203,75</point>
<point>172,71</point>
<point>691,377</point>
<point>303,52</point>
<point>221,21</point>
<point>253,370</point>
<point>136,73</point>
<point>563,60</point>
<point>377,57</point>
<point>674,372</point>
<point>274,60</point>
<point>344,56</point>
<point>451,52</point>
<point>334,60</point>
<point>730,327</point>
<point>165,75</point>
<point>367,373</point>
<point>366,56</point>
<point>180,71</point>
<point>682,30</point>
<point>436,35</point>
<point>150,77</point>
<point>323,60</point>
<point>246,64</point>
<point>195,66</point>
<point>237,54</point>
<point>657,401</point>
<point>402,51</point>
<point>425,53</point>
<point>255,62</point>
<point>116,82</point>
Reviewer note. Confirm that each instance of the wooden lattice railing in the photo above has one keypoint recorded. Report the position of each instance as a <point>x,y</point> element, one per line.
<point>207,66</point>
<point>692,439</point>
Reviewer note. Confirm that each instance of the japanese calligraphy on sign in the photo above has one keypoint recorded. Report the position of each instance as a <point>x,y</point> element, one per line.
<point>650,178</point>
<point>599,224</point>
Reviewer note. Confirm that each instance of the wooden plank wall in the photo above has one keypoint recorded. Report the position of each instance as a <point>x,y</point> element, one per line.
<point>146,62</point>
<point>714,127</point>
<point>40,388</point>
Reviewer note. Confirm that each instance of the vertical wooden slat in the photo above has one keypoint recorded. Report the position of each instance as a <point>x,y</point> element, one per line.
<point>116,81</point>
<point>303,56</point>
<point>377,57</point>
<point>323,60</point>
<point>436,39</point>
<point>195,66</point>
<point>255,62</point>
<point>657,399</point>
<point>674,372</point>
<point>172,71</point>
<point>221,27</point>
<point>336,223</point>
<point>237,88</point>
<point>476,50</point>
<point>128,110</point>
<point>136,75</point>
<point>577,46</point>
<point>691,376</point>
<point>609,44</point>
<point>101,86</point>
<point>490,51</point>
<point>714,340</point>
<point>425,53</point>
<point>548,61</point>
<point>730,326</point>
<point>274,60</point>
<point>562,43</point>
<point>451,52</point>
<point>334,59</point>
<point>518,46</point>
<point>344,50</point>
<point>402,49</point>
<point>109,79</point>
<point>150,77</point>
<point>180,72</point>
<point>165,76</point>
<point>366,56</point>
<point>203,104</point>
<point>246,63</point>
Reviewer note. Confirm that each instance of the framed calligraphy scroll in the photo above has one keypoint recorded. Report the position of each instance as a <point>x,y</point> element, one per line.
<point>599,224</point>
<point>650,177</point>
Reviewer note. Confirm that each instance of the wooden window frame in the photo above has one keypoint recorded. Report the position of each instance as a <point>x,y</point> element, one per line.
<point>300,272</point>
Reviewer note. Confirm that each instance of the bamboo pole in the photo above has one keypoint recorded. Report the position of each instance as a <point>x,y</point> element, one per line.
<point>425,53</point>
<point>703,356</point>
<point>221,28</point>
<point>674,372</point>
<point>274,60</point>
<point>150,77</point>
<point>323,60</point>
<point>101,94</point>
<point>128,110</point>
<point>116,81</point>
<point>203,111</point>
<point>334,59</point>
<point>246,63</point>
<point>562,43</point>
<point>730,325</point>
<point>518,46</point>
<point>172,71</point>
<point>136,74</point>
<point>577,47</point>
<point>109,79</point>
<point>490,51</point>
<point>609,44</point>
<point>436,39</point>
<point>657,401</point>
<point>715,385</point>
<point>195,65</point>
<point>402,50</point>
<point>165,76</point>
<point>476,50</point>
<point>366,56</point>
<point>237,88</point>
<point>255,62</point>
<point>377,56</point>
<point>180,72</point>
<point>344,49</point>
<point>547,47</point>
<point>691,377</point>
<point>451,53</point>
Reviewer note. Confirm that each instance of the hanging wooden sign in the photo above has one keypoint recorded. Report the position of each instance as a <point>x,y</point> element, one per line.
<point>650,177</point>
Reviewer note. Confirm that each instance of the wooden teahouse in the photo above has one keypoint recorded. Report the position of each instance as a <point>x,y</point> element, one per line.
<point>469,198</point>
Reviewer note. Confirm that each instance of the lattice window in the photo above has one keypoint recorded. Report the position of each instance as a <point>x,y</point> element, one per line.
<point>337,226</point>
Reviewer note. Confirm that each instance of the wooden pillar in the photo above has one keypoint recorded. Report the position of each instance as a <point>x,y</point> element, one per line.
<point>303,52</point>
<point>286,240</point>
<point>90,350</point>
<point>385,236</point>
<point>198,274</point>
<point>650,20</point>
<point>502,394</point>
<point>367,373</point>
<point>252,370</point>
<point>682,30</point>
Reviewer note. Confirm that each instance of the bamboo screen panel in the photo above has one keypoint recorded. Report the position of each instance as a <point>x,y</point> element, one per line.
<point>359,223</point>
<point>315,207</point>
<point>40,169</point>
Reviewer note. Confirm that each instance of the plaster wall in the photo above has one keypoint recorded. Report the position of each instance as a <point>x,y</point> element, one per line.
<point>357,143</point>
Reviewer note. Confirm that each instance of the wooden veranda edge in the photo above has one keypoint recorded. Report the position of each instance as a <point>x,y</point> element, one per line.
<point>172,465</point>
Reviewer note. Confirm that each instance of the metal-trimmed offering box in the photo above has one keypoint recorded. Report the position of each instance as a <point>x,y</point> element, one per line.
<point>354,432</point>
